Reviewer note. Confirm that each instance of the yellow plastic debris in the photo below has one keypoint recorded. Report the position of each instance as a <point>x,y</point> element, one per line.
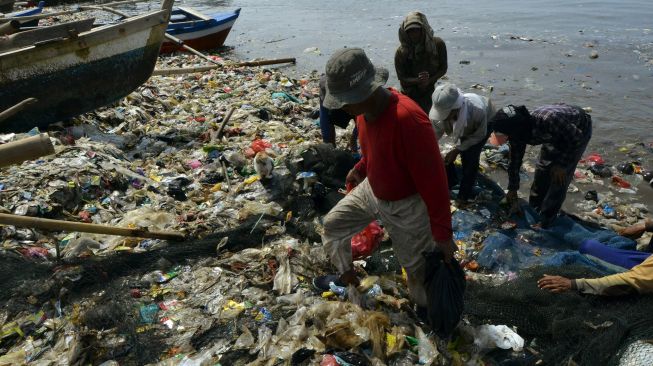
<point>252,179</point>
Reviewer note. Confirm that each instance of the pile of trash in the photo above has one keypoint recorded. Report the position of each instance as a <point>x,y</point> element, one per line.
<point>232,159</point>
<point>155,160</point>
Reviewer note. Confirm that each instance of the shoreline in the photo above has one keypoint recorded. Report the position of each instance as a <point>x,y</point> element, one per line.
<point>239,288</point>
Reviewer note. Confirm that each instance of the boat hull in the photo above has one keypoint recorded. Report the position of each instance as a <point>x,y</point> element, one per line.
<point>6,6</point>
<point>199,40</point>
<point>79,75</point>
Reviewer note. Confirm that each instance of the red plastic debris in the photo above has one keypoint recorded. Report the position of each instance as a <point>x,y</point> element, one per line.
<point>329,360</point>
<point>364,243</point>
<point>593,159</point>
<point>85,216</point>
<point>259,145</point>
<point>34,252</point>
<point>135,293</point>
<point>618,181</point>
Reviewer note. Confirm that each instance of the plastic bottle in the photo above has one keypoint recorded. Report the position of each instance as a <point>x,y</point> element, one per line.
<point>374,291</point>
<point>338,290</point>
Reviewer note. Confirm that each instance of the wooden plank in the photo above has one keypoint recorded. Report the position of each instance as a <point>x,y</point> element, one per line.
<point>195,13</point>
<point>155,21</point>
<point>29,37</point>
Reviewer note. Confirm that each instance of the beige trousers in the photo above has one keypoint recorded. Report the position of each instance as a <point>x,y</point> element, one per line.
<point>406,220</point>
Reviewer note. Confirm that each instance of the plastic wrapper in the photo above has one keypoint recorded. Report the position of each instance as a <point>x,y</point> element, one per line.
<point>426,349</point>
<point>257,208</point>
<point>329,360</point>
<point>264,341</point>
<point>364,243</point>
<point>245,340</point>
<point>490,336</point>
<point>260,145</point>
<point>284,280</point>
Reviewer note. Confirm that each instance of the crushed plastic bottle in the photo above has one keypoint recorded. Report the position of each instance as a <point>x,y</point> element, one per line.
<point>338,290</point>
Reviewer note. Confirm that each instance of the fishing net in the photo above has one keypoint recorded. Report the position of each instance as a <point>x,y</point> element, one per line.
<point>589,330</point>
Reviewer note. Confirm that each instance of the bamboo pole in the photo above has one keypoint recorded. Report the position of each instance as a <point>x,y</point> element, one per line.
<point>188,48</point>
<point>60,225</point>
<point>224,122</point>
<point>26,149</point>
<point>17,108</point>
<point>190,70</point>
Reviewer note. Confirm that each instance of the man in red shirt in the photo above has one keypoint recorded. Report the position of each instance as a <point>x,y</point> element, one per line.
<point>400,180</point>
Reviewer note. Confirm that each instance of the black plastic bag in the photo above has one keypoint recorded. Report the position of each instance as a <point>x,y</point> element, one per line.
<point>445,289</point>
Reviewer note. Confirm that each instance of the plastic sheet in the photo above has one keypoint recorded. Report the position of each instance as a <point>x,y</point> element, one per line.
<point>284,280</point>
<point>489,336</point>
<point>426,348</point>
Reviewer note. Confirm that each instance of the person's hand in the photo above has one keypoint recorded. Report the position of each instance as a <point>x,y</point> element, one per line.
<point>350,278</point>
<point>555,284</point>
<point>354,178</point>
<point>558,175</point>
<point>633,231</point>
<point>423,80</point>
<point>513,203</point>
<point>448,249</point>
<point>451,156</point>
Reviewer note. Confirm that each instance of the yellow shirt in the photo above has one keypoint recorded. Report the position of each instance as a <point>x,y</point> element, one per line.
<point>639,278</point>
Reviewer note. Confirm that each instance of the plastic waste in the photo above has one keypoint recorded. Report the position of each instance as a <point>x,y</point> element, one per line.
<point>329,360</point>
<point>264,341</point>
<point>259,145</point>
<point>445,288</point>
<point>284,280</point>
<point>426,349</point>
<point>374,291</point>
<point>286,96</point>
<point>620,182</point>
<point>601,170</point>
<point>608,211</point>
<point>148,313</point>
<point>364,243</point>
<point>245,340</point>
<point>593,159</point>
<point>338,290</point>
<point>490,336</point>
<point>257,208</point>
<point>592,196</point>
<point>634,179</point>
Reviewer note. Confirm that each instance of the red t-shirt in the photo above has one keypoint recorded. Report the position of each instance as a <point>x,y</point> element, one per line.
<point>401,157</point>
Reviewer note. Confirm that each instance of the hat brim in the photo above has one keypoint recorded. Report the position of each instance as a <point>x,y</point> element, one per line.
<point>358,94</point>
<point>413,25</point>
<point>439,115</point>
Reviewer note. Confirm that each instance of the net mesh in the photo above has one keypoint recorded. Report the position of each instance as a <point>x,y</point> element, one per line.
<point>590,330</point>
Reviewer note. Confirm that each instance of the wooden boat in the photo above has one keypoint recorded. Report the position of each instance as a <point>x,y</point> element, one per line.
<point>28,12</point>
<point>199,31</point>
<point>75,71</point>
<point>7,6</point>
